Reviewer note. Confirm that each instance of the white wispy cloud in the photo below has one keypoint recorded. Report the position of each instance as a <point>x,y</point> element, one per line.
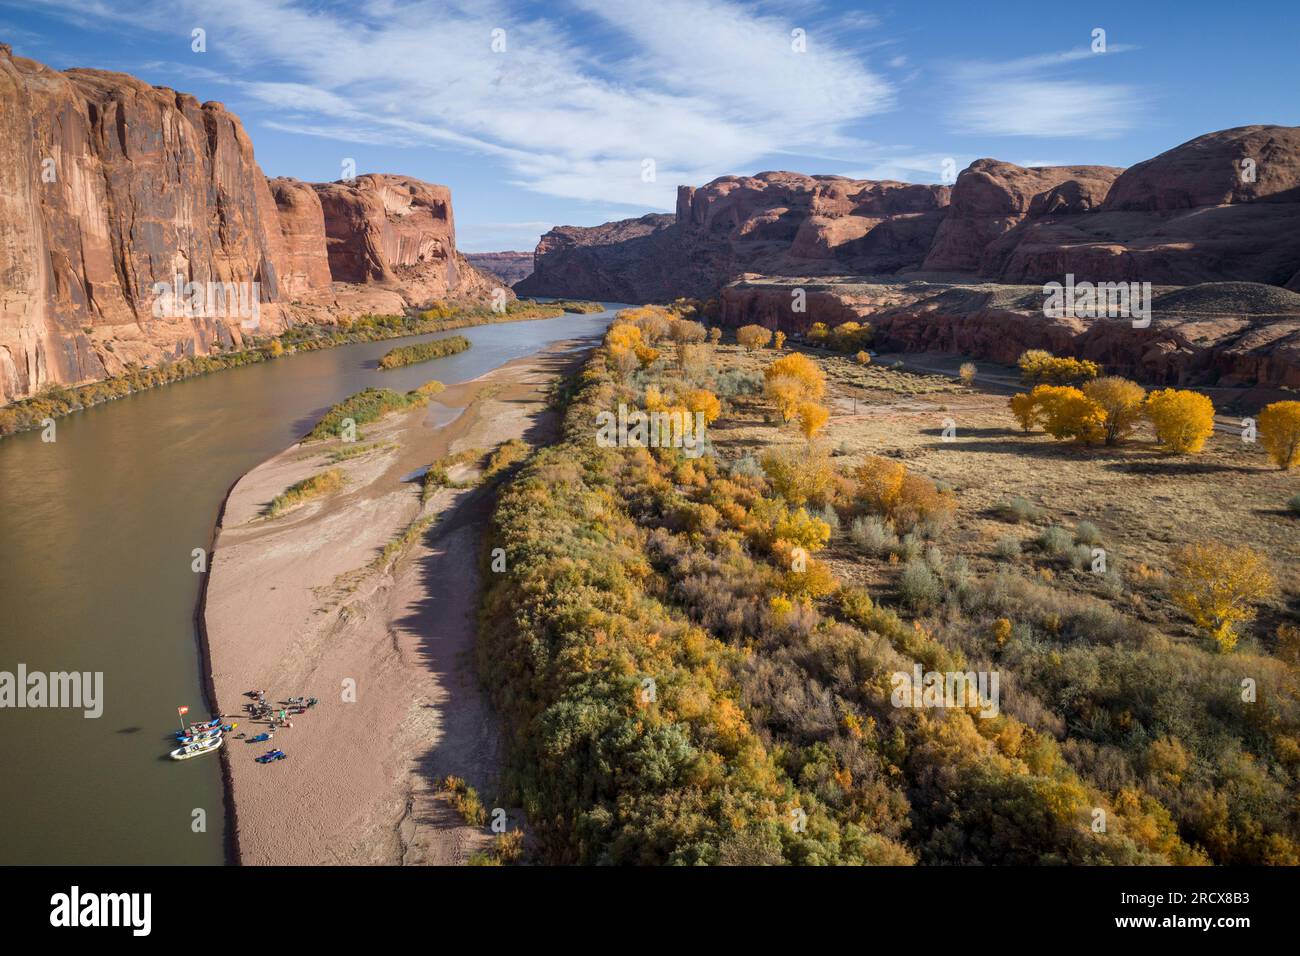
<point>1038,96</point>
<point>697,86</point>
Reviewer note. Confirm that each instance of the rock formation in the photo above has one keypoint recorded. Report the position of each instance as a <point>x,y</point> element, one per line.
<point>618,261</point>
<point>509,267</point>
<point>775,223</point>
<point>302,227</point>
<point>1222,207</point>
<point>112,186</point>
<point>990,199</point>
<point>1226,334</point>
<point>114,193</point>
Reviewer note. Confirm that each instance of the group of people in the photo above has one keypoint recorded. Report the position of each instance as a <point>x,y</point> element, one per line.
<point>260,709</point>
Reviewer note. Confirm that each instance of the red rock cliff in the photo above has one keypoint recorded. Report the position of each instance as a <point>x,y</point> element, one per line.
<point>776,223</point>
<point>1222,207</point>
<point>302,226</point>
<point>110,186</point>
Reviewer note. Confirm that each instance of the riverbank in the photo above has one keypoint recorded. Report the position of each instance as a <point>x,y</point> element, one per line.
<point>60,401</point>
<point>323,601</point>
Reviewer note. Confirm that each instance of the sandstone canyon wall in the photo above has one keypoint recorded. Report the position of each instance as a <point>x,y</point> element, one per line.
<point>775,223</point>
<point>1192,214</point>
<point>510,267</point>
<point>1226,334</point>
<point>109,186</point>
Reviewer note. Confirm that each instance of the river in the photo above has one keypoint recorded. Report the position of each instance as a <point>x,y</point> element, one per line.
<point>97,531</point>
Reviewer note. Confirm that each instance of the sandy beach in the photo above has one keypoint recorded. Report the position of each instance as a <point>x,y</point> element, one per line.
<point>304,604</point>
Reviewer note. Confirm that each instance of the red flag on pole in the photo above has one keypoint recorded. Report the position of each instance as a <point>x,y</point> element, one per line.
<point>182,710</point>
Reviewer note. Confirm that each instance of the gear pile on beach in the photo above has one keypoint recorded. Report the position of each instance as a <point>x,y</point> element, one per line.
<point>275,718</point>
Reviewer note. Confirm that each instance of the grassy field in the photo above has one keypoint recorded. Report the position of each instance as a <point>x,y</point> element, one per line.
<point>1143,500</point>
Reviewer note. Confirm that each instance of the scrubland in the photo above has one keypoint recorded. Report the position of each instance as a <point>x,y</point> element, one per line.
<point>694,656</point>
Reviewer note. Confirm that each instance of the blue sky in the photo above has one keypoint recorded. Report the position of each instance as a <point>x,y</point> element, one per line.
<point>556,128</point>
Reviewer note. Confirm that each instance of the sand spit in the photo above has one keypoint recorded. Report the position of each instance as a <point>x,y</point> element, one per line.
<point>305,604</point>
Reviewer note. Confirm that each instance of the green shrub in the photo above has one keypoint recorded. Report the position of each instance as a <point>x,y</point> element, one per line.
<point>325,483</point>
<point>423,352</point>
<point>505,456</point>
<point>1055,541</point>
<point>1081,557</point>
<point>1019,511</point>
<point>370,405</point>
<point>579,307</point>
<point>1085,532</point>
<point>466,801</point>
<point>1007,548</point>
<point>908,547</point>
<point>872,535</point>
<point>918,586</point>
<point>856,605</point>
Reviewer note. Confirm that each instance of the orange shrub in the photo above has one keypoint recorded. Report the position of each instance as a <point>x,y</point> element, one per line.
<point>800,474</point>
<point>886,487</point>
<point>803,530</point>
<point>880,482</point>
<point>814,581</point>
<point>753,337</point>
<point>653,321</point>
<point>702,400</point>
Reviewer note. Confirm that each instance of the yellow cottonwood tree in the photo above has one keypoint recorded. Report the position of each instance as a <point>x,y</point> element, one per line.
<point>1121,401</point>
<point>1218,586</point>
<point>812,417</point>
<point>1279,433</point>
<point>1025,408</point>
<point>1183,419</point>
<point>792,380</point>
<point>1067,413</point>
